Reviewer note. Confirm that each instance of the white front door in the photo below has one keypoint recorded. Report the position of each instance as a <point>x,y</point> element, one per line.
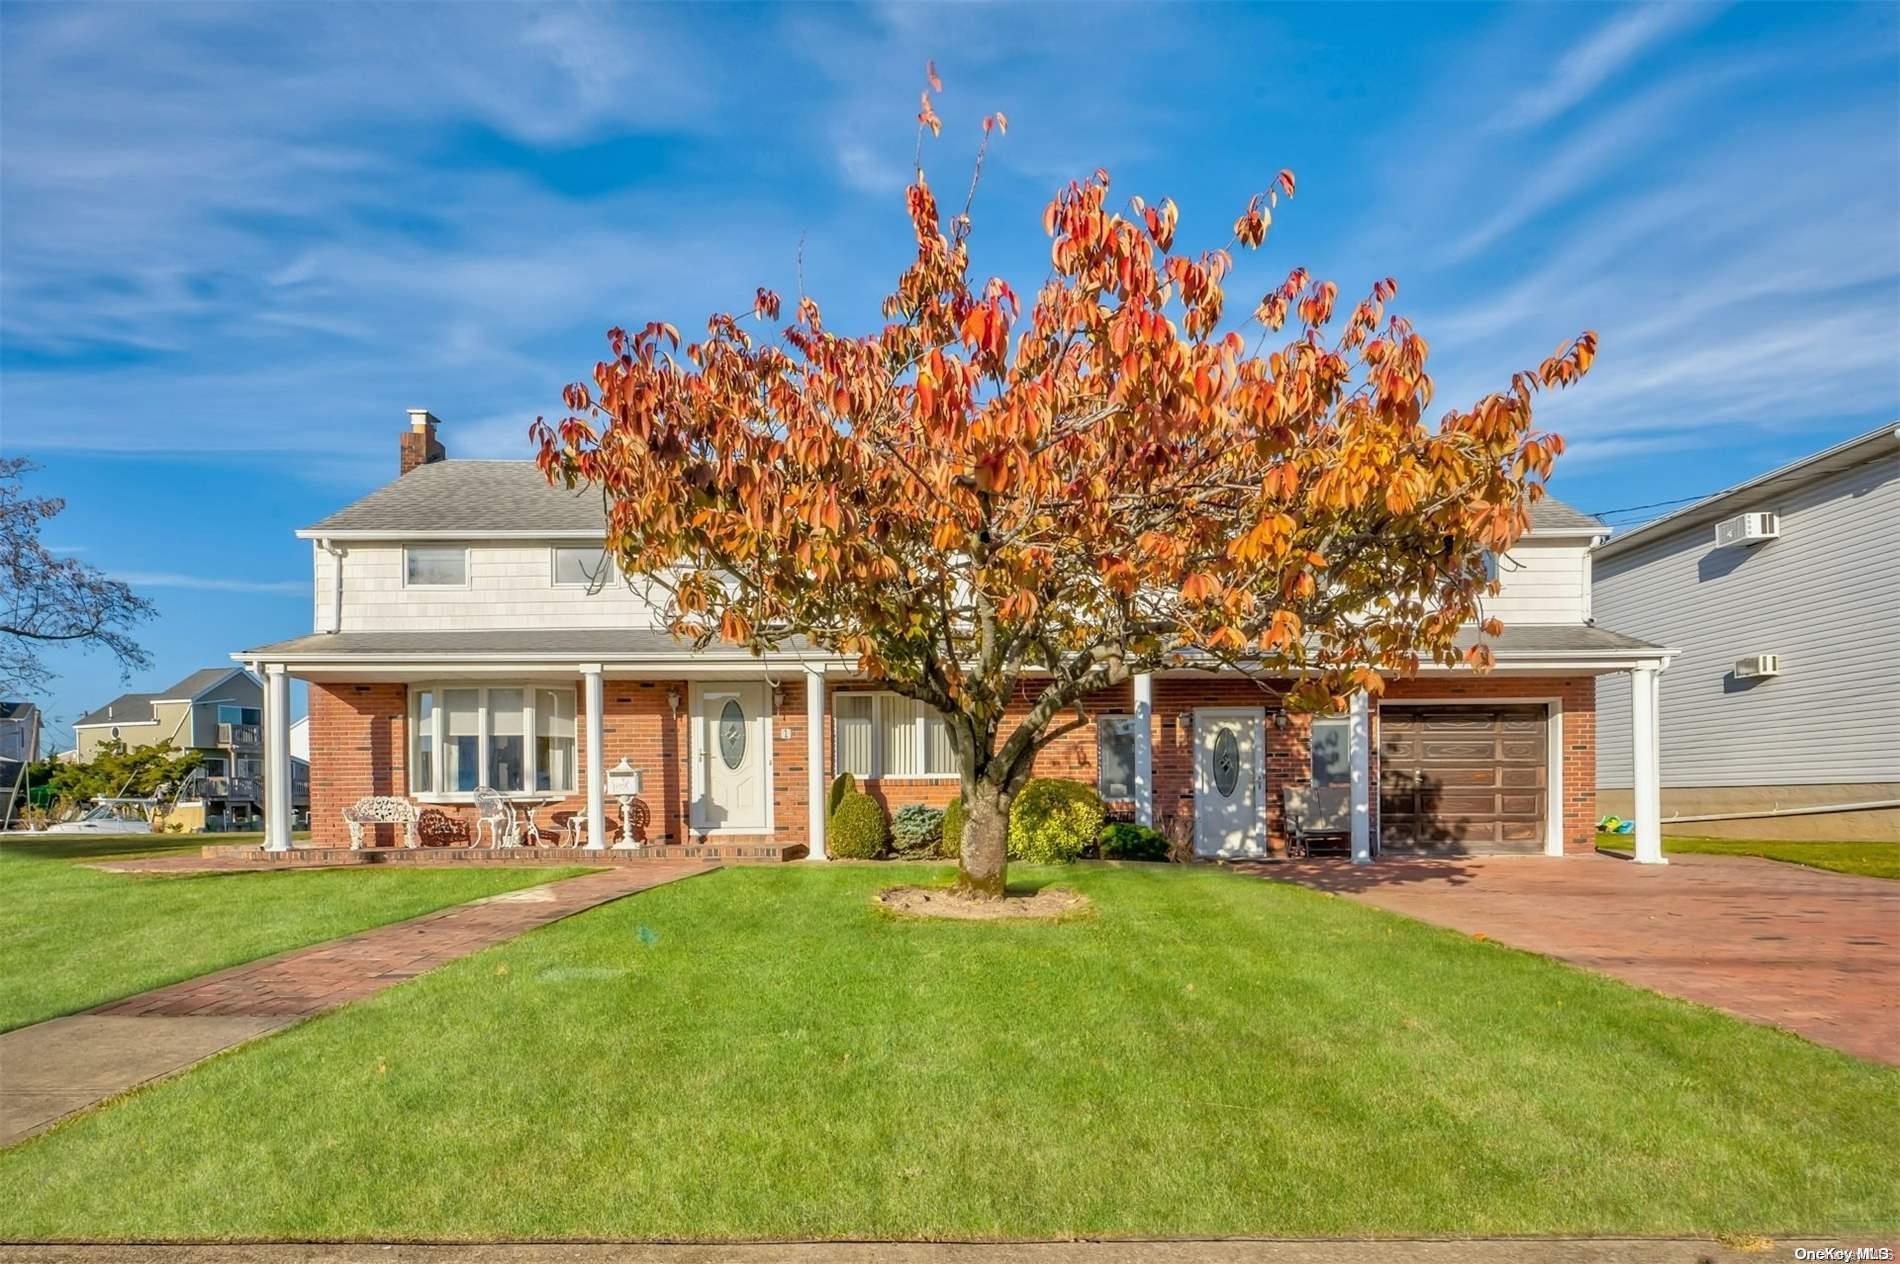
<point>1230,798</point>
<point>732,758</point>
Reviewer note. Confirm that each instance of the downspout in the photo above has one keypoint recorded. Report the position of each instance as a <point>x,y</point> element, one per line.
<point>336,583</point>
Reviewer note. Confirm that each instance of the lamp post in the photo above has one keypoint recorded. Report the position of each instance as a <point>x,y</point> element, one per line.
<point>623,783</point>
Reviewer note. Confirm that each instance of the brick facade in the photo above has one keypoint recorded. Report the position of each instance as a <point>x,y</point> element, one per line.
<point>359,744</point>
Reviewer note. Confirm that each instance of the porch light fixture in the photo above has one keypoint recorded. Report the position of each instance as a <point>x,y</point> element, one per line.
<point>623,783</point>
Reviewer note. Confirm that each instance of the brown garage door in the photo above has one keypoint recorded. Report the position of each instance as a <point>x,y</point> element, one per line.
<point>1462,779</point>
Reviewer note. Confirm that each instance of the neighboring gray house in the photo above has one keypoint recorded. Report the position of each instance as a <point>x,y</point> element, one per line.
<point>217,711</point>
<point>1781,714</point>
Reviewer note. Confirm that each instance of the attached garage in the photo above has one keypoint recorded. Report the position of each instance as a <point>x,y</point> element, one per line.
<point>1463,779</point>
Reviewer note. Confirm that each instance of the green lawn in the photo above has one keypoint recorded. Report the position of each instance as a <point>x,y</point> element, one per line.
<point>72,937</point>
<point>761,1053</point>
<point>1868,859</point>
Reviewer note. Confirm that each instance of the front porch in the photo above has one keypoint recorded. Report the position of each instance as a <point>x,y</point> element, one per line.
<point>735,752</point>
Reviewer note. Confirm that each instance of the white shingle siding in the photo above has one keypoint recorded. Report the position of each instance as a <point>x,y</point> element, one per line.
<point>509,586</point>
<point>1543,582</point>
<point>1825,597</point>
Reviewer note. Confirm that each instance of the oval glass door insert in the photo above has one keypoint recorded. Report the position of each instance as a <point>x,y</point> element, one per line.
<point>732,733</point>
<point>1226,763</point>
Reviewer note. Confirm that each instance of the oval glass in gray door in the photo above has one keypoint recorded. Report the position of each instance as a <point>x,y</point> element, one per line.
<point>1226,763</point>
<point>732,733</point>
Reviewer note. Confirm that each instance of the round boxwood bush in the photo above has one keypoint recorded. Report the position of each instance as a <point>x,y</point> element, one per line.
<point>1126,841</point>
<point>858,830</point>
<point>950,835</point>
<point>1054,821</point>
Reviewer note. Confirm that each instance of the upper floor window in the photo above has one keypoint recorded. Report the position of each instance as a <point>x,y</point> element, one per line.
<point>435,566</point>
<point>229,714</point>
<point>584,567</point>
<point>888,735</point>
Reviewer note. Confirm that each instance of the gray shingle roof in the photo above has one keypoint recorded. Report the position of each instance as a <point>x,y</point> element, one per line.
<point>610,644</point>
<point>127,708</point>
<point>134,708</point>
<point>478,497</point>
<point>196,683</point>
<point>1558,638</point>
<point>471,496</point>
<point>564,643</point>
<point>1554,515</point>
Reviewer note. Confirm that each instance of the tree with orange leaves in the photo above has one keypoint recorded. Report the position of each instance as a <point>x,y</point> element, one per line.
<point>981,503</point>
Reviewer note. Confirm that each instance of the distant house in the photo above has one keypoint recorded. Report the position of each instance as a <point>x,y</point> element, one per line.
<point>217,711</point>
<point>19,745</point>
<point>1781,715</point>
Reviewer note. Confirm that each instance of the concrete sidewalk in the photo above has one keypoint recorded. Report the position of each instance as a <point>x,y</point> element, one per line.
<point>1380,1251</point>
<point>51,1069</point>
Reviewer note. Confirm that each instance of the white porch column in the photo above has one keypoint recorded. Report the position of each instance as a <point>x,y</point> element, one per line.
<point>276,758</point>
<point>815,789</point>
<point>596,690</point>
<point>1144,749</point>
<point>1361,763</point>
<point>1646,761</point>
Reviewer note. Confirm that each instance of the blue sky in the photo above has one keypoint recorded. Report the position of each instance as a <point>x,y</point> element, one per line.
<point>237,242</point>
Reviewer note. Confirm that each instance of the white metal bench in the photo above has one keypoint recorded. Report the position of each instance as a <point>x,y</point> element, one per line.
<point>379,809</point>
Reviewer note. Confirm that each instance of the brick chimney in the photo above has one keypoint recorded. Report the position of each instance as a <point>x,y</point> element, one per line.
<point>419,445</point>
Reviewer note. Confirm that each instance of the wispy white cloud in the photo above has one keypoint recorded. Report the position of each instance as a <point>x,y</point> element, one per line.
<point>215,583</point>
<point>1609,49</point>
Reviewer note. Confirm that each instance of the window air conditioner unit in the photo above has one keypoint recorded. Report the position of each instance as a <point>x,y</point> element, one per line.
<point>1757,666</point>
<point>1748,528</point>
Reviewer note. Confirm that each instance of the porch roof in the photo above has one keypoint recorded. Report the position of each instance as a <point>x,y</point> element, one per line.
<point>1524,645</point>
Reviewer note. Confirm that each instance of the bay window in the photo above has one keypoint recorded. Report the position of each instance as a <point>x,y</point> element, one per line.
<point>887,735</point>
<point>510,738</point>
<point>553,739</point>
<point>507,740</point>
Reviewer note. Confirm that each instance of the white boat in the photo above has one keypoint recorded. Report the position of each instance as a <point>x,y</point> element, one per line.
<point>113,816</point>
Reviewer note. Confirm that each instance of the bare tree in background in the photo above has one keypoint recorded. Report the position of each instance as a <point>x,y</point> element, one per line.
<point>47,600</point>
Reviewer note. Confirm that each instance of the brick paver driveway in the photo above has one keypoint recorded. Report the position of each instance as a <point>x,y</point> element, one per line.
<point>1812,951</point>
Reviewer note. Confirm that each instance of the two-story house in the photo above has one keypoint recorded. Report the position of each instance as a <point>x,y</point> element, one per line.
<point>217,711</point>
<point>468,633</point>
<point>1784,592</point>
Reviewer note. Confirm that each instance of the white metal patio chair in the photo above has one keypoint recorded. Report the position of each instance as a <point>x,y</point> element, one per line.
<point>493,810</point>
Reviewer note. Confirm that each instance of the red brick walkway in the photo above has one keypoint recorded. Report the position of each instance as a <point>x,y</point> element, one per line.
<point>1812,951</point>
<point>311,980</point>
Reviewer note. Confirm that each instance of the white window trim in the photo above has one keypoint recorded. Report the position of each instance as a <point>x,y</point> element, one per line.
<point>610,568</point>
<point>877,772</point>
<point>1102,727</point>
<point>437,548</point>
<point>438,738</point>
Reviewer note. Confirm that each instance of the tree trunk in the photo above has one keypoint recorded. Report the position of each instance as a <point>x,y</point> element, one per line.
<point>982,869</point>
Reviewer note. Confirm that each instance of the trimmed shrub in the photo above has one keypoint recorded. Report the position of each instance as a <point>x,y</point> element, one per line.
<point>1127,841</point>
<point>950,831</point>
<point>841,785</point>
<point>916,829</point>
<point>858,830</point>
<point>1054,821</point>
